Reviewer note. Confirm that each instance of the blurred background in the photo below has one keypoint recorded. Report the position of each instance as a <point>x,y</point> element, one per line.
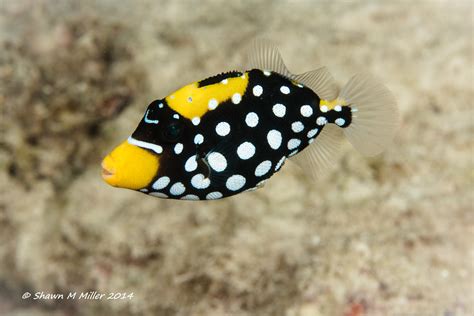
<point>389,235</point>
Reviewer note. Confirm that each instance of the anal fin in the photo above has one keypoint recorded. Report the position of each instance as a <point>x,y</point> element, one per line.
<point>319,157</point>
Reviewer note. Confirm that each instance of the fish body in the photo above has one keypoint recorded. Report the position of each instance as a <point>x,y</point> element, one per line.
<point>231,132</point>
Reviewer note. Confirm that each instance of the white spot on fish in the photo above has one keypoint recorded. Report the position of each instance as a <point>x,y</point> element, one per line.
<point>198,139</point>
<point>306,110</point>
<point>190,197</point>
<point>235,182</point>
<point>178,148</point>
<point>196,120</point>
<point>212,105</point>
<point>246,150</point>
<point>284,89</point>
<point>297,127</point>
<point>321,120</point>
<point>293,143</point>
<point>340,121</point>
<point>214,196</point>
<point>280,163</point>
<point>251,119</point>
<point>177,188</point>
<point>223,129</point>
<point>161,183</point>
<point>159,194</point>
<point>191,164</point>
<point>274,139</point>
<point>217,161</point>
<point>294,152</point>
<point>236,98</point>
<point>312,133</point>
<point>279,110</point>
<point>200,182</point>
<point>263,168</point>
<point>257,90</point>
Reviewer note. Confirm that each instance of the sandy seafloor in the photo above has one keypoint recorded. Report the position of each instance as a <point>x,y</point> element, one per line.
<point>390,235</point>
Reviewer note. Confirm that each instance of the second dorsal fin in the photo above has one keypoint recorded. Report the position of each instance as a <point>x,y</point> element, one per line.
<point>264,55</point>
<point>320,81</point>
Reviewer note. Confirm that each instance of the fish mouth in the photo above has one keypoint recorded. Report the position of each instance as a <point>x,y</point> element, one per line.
<point>129,167</point>
<point>106,172</point>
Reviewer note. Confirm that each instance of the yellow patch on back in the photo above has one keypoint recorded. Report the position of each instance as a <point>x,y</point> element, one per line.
<point>330,104</point>
<point>191,101</point>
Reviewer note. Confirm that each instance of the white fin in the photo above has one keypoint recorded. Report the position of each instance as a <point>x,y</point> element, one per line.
<point>264,55</point>
<point>319,157</point>
<point>374,114</point>
<point>320,81</point>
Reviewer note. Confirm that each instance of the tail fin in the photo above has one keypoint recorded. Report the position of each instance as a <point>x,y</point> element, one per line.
<point>374,114</point>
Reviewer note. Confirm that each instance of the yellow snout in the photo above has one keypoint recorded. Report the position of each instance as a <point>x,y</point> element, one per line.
<point>130,167</point>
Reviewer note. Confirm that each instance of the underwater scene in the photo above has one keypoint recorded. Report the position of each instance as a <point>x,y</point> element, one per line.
<point>236,158</point>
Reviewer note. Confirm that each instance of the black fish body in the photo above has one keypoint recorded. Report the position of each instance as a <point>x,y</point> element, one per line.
<point>231,132</point>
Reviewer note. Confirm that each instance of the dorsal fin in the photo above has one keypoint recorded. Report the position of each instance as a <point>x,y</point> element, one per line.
<point>318,158</point>
<point>320,81</point>
<point>264,55</point>
<point>218,78</point>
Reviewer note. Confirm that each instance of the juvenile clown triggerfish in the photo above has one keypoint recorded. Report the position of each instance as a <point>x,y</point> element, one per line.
<point>229,133</point>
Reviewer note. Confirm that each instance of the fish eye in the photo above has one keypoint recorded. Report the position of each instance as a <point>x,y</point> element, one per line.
<point>172,132</point>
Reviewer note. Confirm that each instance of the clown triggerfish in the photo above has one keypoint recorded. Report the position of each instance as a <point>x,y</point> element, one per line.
<point>229,133</point>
